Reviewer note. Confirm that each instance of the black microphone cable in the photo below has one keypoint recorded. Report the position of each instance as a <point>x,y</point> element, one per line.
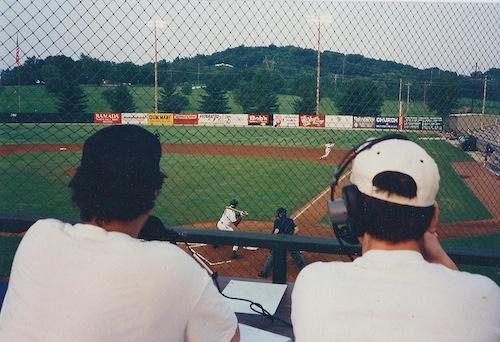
<point>154,229</point>
<point>255,307</point>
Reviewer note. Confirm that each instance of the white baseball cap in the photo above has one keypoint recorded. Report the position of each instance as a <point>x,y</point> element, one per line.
<point>402,156</point>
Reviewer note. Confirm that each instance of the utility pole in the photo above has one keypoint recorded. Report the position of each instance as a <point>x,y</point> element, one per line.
<point>472,92</point>
<point>484,95</point>
<point>319,19</point>
<point>425,96</point>
<point>318,71</point>
<point>400,104</point>
<point>154,24</point>
<point>408,98</point>
<point>343,68</point>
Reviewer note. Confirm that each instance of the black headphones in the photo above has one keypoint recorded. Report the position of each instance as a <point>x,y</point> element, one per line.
<point>343,212</point>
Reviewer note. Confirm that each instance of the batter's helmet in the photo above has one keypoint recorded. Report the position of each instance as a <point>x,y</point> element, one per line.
<point>281,212</point>
<point>234,202</point>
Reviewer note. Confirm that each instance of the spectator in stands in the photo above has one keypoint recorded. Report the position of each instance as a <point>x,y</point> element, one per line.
<point>404,287</point>
<point>96,281</point>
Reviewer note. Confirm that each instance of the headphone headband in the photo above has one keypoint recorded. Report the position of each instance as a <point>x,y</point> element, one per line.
<point>353,152</point>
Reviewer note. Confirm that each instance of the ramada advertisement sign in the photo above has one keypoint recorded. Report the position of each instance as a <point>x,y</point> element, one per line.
<point>258,119</point>
<point>312,121</point>
<point>185,119</point>
<point>108,118</point>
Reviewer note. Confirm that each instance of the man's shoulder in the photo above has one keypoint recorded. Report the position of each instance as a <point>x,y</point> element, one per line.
<point>43,226</point>
<point>476,281</point>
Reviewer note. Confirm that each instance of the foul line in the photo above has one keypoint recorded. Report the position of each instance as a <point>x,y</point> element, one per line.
<point>317,198</point>
<point>211,263</point>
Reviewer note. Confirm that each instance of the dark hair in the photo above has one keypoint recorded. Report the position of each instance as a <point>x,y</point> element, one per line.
<point>119,176</point>
<point>389,221</point>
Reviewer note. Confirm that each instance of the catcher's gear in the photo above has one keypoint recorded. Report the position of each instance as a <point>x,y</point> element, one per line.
<point>234,202</point>
<point>281,211</point>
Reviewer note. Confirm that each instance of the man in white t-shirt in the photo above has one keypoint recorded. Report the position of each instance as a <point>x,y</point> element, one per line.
<point>95,281</point>
<point>404,287</point>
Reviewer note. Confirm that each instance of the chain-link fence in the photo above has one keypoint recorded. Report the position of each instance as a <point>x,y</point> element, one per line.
<point>244,96</point>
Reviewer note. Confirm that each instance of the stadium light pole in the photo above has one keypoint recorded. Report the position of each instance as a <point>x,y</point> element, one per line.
<point>319,19</point>
<point>155,24</point>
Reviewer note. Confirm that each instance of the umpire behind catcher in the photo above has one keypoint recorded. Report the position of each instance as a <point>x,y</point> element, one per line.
<point>95,281</point>
<point>283,225</point>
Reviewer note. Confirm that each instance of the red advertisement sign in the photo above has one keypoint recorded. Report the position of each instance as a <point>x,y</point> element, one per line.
<point>258,119</point>
<point>108,118</point>
<point>185,119</point>
<point>312,121</point>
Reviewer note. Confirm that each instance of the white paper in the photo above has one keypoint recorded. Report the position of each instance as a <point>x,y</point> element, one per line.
<point>251,334</point>
<point>266,294</point>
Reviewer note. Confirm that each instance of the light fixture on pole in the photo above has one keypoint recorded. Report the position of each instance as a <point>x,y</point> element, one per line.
<point>319,19</point>
<point>155,24</point>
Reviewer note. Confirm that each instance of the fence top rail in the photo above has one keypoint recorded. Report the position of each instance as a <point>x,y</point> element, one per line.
<point>16,223</point>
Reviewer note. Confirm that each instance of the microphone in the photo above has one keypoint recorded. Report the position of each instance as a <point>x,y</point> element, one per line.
<point>154,229</point>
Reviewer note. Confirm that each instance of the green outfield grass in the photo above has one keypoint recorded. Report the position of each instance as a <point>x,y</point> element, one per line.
<point>36,183</point>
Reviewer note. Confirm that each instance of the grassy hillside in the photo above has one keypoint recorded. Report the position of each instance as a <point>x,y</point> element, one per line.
<point>35,99</point>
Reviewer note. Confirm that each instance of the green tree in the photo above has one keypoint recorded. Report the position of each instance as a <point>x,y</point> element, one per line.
<point>443,94</point>
<point>120,99</point>
<point>186,89</point>
<point>303,85</point>
<point>54,81</point>
<point>215,100</point>
<point>72,99</point>
<point>361,97</point>
<point>260,95</point>
<point>170,100</point>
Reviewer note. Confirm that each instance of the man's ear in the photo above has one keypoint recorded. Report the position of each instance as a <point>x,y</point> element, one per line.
<point>432,226</point>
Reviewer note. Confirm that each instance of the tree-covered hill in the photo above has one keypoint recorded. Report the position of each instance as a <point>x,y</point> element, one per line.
<point>241,63</point>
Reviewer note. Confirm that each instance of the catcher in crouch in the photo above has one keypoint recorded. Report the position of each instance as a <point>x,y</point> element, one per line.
<point>231,215</point>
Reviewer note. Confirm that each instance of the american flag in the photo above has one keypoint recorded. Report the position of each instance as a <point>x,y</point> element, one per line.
<point>17,52</point>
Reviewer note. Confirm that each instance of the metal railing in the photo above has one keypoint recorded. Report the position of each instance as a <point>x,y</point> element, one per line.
<point>279,243</point>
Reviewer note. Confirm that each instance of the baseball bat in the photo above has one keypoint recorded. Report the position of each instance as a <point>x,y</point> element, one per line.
<point>242,212</point>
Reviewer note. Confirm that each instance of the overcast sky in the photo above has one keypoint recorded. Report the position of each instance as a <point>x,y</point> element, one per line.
<point>452,36</point>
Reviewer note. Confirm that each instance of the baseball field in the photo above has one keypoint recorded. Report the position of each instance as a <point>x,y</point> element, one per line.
<point>263,167</point>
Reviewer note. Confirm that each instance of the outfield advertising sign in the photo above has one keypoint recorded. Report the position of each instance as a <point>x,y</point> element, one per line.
<point>386,122</point>
<point>312,121</point>
<point>363,122</point>
<point>135,118</point>
<point>108,118</point>
<point>338,121</point>
<point>285,120</point>
<point>423,123</point>
<point>258,119</point>
<point>160,118</point>
<point>185,119</point>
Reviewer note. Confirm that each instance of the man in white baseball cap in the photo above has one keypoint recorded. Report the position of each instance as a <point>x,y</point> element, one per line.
<point>404,287</point>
